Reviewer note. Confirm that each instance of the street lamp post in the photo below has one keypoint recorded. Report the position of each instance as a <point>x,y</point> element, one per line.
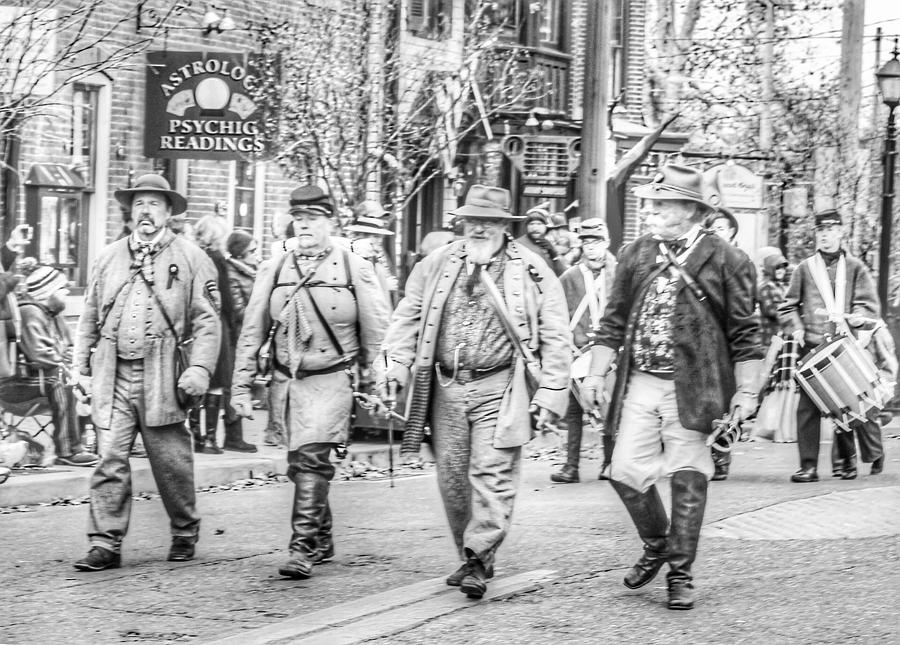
<point>889,84</point>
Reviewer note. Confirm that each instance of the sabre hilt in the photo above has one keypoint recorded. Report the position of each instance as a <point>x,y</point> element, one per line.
<point>726,431</point>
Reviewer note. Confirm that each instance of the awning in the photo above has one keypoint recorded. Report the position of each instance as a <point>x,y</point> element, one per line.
<point>54,175</point>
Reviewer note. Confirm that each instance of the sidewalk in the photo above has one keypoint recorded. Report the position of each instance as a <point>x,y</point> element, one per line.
<point>39,486</point>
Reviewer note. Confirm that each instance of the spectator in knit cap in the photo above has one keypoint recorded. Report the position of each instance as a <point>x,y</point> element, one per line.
<point>535,239</point>
<point>46,344</point>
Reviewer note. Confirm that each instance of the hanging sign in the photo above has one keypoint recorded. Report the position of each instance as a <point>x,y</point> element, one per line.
<point>200,106</point>
<point>738,186</point>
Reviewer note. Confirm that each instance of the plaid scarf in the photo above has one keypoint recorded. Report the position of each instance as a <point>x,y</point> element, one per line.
<point>142,252</point>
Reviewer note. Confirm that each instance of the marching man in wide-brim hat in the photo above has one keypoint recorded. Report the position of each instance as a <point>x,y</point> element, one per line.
<point>681,329</point>
<point>369,233</point>
<point>149,293</point>
<point>451,350</point>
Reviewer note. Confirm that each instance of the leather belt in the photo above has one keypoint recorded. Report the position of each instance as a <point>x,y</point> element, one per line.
<point>467,376</point>
<point>300,374</point>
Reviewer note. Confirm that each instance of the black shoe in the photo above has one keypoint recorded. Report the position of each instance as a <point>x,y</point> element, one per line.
<point>456,578</point>
<point>877,466</point>
<point>99,559</point>
<point>210,447</point>
<point>721,473</point>
<point>805,475</point>
<point>474,583</point>
<point>567,475</point>
<point>645,569</point>
<point>79,459</point>
<point>850,473</point>
<point>681,594</point>
<point>239,446</point>
<point>604,472</point>
<point>298,568</point>
<point>182,549</point>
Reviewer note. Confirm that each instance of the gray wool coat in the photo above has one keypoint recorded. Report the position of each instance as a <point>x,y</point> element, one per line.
<point>192,304</point>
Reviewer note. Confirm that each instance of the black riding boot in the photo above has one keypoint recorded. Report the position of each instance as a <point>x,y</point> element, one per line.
<point>234,436</point>
<point>688,504</point>
<point>649,517</point>
<point>310,500</point>
<point>324,541</point>
<point>609,443</point>
<point>206,444</point>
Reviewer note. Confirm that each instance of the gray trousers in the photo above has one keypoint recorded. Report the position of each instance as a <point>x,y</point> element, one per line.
<point>477,481</point>
<point>171,460</point>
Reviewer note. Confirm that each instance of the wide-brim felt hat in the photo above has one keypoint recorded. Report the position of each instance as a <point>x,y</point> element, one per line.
<point>490,202</point>
<point>368,226</point>
<point>369,208</point>
<point>152,183</point>
<point>675,183</point>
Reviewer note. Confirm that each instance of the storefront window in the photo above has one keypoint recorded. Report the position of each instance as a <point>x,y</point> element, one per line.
<point>244,195</point>
<point>549,24</point>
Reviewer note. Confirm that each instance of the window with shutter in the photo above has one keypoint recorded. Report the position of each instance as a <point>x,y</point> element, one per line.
<point>417,16</point>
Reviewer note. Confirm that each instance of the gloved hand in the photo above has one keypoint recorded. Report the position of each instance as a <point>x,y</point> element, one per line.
<point>242,405</point>
<point>546,420</point>
<point>394,372</point>
<point>798,335</point>
<point>593,386</point>
<point>194,381</point>
<point>748,378</point>
<point>82,389</point>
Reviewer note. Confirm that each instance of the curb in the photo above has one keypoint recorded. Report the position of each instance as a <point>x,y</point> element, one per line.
<point>209,470</point>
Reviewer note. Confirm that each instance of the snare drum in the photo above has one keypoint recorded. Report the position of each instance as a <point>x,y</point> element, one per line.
<point>841,379</point>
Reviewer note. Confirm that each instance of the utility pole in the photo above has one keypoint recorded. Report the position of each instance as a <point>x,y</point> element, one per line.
<point>850,93</point>
<point>768,91</point>
<point>592,170</point>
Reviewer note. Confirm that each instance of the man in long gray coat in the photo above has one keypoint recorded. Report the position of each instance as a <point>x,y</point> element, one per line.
<point>323,309</point>
<point>149,292</point>
<point>449,340</point>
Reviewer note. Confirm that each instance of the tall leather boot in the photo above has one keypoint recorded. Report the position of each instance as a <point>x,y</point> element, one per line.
<point>649,517</point>
<point>688,504</point>
<point>213,405</point>
<point>324,540</point>
<point>310,499</point>
<point>234,436</point>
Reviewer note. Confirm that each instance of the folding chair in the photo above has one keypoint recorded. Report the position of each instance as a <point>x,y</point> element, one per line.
<point>14,415</point>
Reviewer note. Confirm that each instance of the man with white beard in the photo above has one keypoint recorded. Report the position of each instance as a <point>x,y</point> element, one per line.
<point>456,343</point>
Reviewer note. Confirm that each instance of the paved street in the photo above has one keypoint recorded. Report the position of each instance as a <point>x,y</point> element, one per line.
<point>777,578</point>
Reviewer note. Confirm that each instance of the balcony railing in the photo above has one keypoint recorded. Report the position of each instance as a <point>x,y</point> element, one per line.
<point>548,69</point>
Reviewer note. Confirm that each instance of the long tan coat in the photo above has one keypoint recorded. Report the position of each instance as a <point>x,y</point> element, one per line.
<point>535,301</point>
<point>319,407</point>
<point>192,303</point>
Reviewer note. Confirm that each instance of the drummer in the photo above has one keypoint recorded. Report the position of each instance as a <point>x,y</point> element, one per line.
<point>586,286</point>
<point>809,316</point>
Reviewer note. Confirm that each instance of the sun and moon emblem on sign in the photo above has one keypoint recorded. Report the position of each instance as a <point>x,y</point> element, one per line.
<point>211,95</point>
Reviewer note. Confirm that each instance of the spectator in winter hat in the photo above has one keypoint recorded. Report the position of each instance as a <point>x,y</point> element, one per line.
<point>46,345</point>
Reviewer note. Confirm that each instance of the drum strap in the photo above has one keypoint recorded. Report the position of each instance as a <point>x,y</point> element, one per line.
<point>834,299</point>
<point>594,297</point>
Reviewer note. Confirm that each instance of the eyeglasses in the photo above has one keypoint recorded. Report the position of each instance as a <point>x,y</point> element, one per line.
<point>484,222</point>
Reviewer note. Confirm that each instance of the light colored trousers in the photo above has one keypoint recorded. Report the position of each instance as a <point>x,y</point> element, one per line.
<point>477,481</point>
<point>651,442</point>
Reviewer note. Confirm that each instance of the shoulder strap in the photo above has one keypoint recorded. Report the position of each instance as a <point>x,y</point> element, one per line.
<point>695,287</point>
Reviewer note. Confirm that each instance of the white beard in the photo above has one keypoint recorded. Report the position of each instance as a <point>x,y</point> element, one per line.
<point>480,251</point>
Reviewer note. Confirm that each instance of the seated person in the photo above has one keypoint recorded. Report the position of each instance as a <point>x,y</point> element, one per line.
<point>45,345</point>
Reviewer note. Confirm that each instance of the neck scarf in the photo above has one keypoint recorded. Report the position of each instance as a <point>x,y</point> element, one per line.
<point>293,315</point>
<point>142,252</point>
